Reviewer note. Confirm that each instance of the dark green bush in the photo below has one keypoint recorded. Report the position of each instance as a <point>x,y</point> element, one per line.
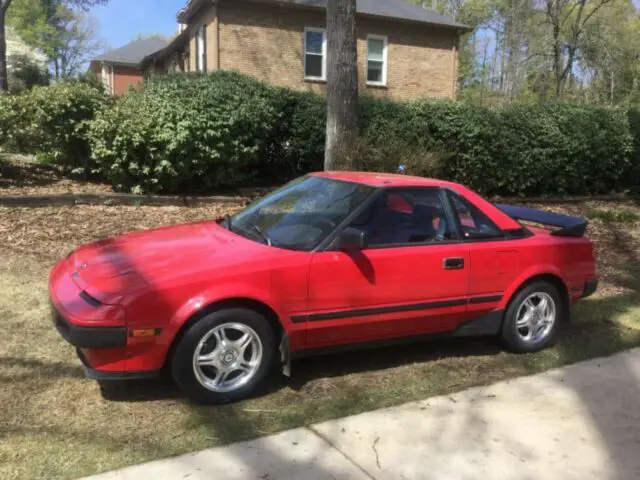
<point>634,125</point>
<point>514,150</point>
<point>560,149</point>
<point>25,73</point>
<point>190,132</point>
<point>7,119</point>
<point>51,122</point>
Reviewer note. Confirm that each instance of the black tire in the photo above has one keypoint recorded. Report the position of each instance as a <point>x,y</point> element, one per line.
<point>182,361</point>
<point>510,334</point>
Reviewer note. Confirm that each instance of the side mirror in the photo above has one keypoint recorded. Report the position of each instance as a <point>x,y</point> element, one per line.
<point>352,239</point>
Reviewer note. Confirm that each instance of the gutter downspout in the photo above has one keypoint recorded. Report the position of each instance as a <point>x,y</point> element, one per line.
<point>454,67</point>
<point>216,37</point>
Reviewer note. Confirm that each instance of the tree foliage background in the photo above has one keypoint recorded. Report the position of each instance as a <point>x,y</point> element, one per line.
<point>61,30</point>
<point>534,51</point>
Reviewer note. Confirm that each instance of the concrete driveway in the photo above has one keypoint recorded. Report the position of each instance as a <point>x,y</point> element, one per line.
<point>578,422</point>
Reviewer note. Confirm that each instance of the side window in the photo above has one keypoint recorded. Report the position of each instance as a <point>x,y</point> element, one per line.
<point>315,51</point>
<point>404,217</point>
<point>473,223</point>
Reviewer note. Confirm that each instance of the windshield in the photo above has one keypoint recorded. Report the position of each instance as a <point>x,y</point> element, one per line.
<point>300,215</point>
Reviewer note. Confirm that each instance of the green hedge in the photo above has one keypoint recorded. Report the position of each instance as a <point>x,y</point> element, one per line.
<point>634,173</point>
<point>189,132</point>
<point>197,133</point>
<point>52,122</point>
<point>516,150</point>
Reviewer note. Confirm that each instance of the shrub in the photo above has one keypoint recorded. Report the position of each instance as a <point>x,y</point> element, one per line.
<point>305,130</point>
<point>7,119</point>
<point>189,132</point>
<point>560,149</point>
<point>26,72</point>
<point>634,125</point>
<point>393,156</point>
<point>517,149</point>
<point>52,122</point>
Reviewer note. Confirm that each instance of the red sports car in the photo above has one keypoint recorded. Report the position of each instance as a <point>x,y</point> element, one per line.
<point>329,261</point>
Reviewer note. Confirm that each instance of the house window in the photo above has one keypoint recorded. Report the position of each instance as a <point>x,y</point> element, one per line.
<point>376,60</point>
<point>201,49</point>
<point>315,53</point>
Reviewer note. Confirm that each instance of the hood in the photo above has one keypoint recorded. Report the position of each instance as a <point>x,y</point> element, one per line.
<point>127,264</point>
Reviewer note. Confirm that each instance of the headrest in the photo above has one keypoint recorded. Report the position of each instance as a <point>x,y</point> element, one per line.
<point>397,203</point>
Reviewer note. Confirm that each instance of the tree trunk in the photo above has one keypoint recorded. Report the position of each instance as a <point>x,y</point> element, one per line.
<point>613,86</point>
<point>342,81</point>
<point>4,84</point>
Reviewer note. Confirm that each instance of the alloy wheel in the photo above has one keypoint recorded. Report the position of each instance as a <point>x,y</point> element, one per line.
<point>536,317</point>
<point>227,357</point>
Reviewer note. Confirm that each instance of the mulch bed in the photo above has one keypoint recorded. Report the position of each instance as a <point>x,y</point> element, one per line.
<point>24,182</point>
<point>51,232</point>
<point>20,175</point>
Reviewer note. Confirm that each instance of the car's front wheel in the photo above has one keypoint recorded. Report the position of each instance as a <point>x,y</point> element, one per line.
<point>224,356</point>
<point>532,318</point>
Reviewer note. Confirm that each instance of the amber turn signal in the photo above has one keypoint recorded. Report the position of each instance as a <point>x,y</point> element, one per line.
<point>145,332</point>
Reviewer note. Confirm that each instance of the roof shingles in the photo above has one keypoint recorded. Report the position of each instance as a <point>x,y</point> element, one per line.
<point>134,52</point>
<point>398,9</point>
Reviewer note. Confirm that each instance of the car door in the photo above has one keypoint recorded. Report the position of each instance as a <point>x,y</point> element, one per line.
<point>495,259</point>
<point>411,279</point>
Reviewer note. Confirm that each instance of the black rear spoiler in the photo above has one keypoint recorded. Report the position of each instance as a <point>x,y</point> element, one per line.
<point>568,226</point>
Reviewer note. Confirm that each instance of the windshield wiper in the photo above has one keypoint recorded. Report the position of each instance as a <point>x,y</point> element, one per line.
<point>227,218</point>
<point>261,232</point>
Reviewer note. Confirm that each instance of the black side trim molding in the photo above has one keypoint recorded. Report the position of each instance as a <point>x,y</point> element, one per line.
<point>364,312</point>
<point>488,324</point>
<point>486,299</point>
<point>94,374</point>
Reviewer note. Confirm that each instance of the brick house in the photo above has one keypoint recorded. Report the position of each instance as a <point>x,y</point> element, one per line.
<point>404,51</point>
<point>120,68</point>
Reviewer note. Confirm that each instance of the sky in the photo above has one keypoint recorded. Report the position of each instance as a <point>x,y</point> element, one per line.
<point>121,20</point>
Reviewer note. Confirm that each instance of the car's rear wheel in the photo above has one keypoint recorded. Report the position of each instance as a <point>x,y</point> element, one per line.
<point>224,356</point>
<point>533,318</point>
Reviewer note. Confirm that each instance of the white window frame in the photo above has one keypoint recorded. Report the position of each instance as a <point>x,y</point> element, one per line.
<point>385,62</point>
<point>323,77</point>
<point>107,77</point>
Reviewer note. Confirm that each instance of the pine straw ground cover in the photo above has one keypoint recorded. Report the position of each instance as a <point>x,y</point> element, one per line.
<point>56,424</point>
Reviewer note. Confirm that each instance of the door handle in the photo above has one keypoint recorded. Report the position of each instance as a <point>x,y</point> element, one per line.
<point>455,263</point>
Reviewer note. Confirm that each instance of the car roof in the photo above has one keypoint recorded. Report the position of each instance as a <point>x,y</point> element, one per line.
<point>384,180</point>
<point>391,180</point>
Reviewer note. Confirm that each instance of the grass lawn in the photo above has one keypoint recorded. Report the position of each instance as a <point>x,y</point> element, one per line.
<point>56,424</point>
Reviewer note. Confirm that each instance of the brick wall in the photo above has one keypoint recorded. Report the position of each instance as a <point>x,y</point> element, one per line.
<point>124,77</point>
<point>267,42</point>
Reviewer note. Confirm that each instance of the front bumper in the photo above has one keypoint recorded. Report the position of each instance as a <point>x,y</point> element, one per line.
<point>89,337</point>
<point>94,374</point>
